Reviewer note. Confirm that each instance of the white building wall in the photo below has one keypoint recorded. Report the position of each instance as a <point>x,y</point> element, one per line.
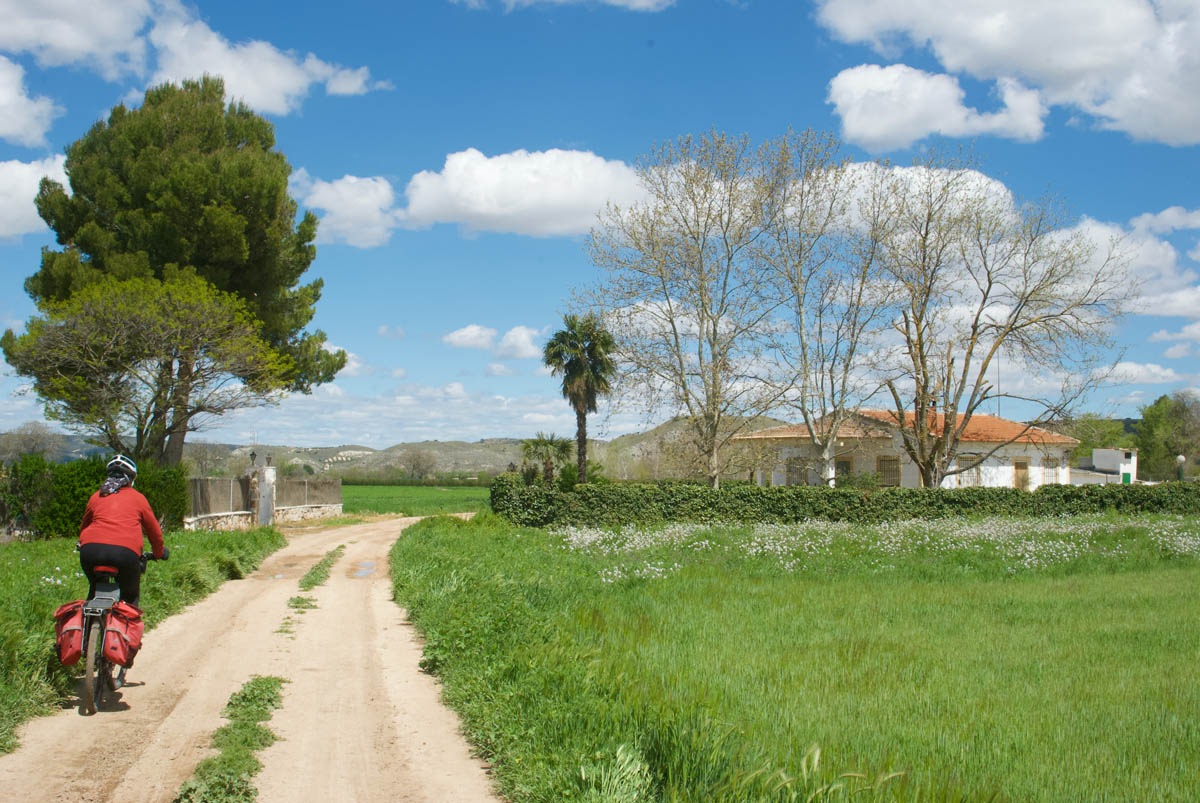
<point>1115,461</point>
<point>997,471</point>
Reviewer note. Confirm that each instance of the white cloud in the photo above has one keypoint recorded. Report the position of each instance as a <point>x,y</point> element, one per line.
<point>472,336</point>
<point>1131,64</point>
<point>1178,351</point>
<point>354,364</point>
<point>1159,283</point>
<point>542,193</point>
<point>390,331</point>
<point>1184,303</point>
<point>1189,332</point>
<point>102,36</point>
<point>499,369</point>
<point>268,79</point>
<point>358,211</point>
<point>1167,221</point>
<point>399,373</point>
<point>23,120</point>
<point>884,108</point>
<point>1132,373</point>
<point>18,186</point>
<point>517,343</point>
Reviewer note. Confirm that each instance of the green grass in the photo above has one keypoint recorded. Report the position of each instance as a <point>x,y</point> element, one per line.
<point>1035,660</point>
<point>37,577</point>
<point>226,777</point>
<point>412,500</point>
<point>319,573</point>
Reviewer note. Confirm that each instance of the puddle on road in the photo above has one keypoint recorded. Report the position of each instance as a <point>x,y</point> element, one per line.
<point>365,567</point>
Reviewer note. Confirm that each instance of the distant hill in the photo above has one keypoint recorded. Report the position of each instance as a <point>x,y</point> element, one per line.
<point>658,452</point>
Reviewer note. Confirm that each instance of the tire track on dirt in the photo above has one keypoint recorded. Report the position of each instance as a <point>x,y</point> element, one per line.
<point>359,720</point>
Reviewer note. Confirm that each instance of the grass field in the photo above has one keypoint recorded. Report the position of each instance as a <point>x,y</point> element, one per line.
<point>412,500</point>
<point>1033,660</point>
<point>37,577</point>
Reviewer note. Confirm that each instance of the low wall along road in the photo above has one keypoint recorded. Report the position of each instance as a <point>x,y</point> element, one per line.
<point>239,503</point>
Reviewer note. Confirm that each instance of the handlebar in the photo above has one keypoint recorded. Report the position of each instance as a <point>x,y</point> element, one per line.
<point>146,557</point>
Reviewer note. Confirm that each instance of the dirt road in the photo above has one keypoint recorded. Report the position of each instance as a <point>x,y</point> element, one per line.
<point>359,721</point>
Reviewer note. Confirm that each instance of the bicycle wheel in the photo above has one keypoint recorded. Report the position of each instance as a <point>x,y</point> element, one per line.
<point>92,676</point>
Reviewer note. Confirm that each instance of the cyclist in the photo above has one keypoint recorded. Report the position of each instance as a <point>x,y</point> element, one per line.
<point>116,519</point>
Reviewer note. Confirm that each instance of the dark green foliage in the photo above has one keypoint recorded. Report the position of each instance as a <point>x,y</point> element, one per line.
<point>581,353</point>
<point>184,185</point>
<point>1169,427</point>
<point>24,489</point>
<point>630,503</point>
<point>48,499</point>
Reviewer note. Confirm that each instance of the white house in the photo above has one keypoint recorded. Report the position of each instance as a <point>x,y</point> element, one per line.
<point>1114,465</point>
<point>1017,456</point>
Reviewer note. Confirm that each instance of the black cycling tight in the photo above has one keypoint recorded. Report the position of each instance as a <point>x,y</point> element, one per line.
<point>127,562</point>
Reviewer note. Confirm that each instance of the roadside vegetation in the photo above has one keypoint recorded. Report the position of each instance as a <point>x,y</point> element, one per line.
<point>1032,659</point>
<point>319,573</point>
<point>412,500</point>
<point>226,777</point>
<point>37,577</point>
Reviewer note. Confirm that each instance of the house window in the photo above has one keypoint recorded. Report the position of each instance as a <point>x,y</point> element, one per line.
<point>972,477</point>
<point>797,471</point>
<point>1050,471</point>
<point>889,471</point>
<point>843,466</point>
<point>1129,455</point>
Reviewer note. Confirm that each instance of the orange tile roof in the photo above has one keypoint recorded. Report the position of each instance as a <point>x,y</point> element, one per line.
<point>981,428</point>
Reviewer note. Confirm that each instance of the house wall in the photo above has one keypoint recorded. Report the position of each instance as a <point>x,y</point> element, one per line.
<point>997,471</point>
<point>1114,460</point>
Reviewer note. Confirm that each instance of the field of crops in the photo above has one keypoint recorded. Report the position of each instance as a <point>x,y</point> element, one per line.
<point>412,500</point>
<point>1036,659</point>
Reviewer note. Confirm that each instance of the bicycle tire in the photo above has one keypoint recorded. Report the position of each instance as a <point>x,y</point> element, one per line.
<point>92,673</point>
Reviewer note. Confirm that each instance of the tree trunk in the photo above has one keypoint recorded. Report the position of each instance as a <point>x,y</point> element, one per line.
<point>173,451</point>
<point>828,466</point>
<point>548,471</point>
<point>714,468</point>
<point>581,443</point>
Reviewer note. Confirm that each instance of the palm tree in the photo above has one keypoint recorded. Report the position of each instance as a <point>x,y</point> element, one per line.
<point>580,354</point>
<point>547,449</point>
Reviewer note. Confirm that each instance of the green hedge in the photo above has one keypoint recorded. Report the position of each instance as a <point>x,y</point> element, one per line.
<point>49,498</point>
<point>622,503</point>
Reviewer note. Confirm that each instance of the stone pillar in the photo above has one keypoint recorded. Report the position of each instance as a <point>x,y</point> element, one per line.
<point>265,507</point>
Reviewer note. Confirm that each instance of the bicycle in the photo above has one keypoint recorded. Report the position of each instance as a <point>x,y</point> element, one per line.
<point>98,678</point>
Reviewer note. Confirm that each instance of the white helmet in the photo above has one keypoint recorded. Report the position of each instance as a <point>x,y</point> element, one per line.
<point>121,463</point>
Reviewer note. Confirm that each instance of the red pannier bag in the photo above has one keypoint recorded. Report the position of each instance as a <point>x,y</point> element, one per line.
<point>123,635</point>
<point>68,632</point>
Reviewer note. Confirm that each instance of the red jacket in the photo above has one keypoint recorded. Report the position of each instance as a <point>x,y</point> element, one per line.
<point>120,519</point>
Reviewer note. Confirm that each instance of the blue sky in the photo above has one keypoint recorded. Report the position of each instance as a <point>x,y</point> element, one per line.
<point>457,153</point>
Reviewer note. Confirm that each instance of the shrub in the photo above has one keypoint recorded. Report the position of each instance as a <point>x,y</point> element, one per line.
<point>629,503</point>
<point>49,499</point>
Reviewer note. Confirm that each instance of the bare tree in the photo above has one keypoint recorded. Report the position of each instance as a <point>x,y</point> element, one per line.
<point>977,272</point>
<point>824,250</point>
<point>419,462</point>
<point>684,292</point>
<point>32,437</point>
